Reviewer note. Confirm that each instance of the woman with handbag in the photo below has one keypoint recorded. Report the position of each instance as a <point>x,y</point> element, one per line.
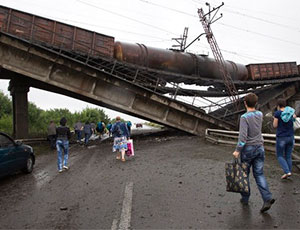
<point>283,122</point>
<point>121,135</point>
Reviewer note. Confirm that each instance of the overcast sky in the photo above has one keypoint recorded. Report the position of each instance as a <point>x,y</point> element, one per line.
<point>255,31</point>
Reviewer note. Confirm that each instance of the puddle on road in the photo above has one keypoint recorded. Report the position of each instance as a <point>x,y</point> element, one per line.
<point>42,178</point>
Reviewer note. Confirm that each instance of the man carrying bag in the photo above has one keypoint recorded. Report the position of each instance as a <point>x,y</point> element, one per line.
<point>237,177</point>
<point>251,151</point>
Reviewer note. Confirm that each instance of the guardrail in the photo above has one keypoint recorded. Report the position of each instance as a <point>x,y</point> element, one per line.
<point>32,140</point>
<point>218,136</point>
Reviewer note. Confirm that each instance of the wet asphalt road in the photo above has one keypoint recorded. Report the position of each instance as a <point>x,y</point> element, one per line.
<point>174,182</point>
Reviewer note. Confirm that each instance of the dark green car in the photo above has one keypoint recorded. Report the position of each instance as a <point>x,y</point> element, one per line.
<point>15,156</point>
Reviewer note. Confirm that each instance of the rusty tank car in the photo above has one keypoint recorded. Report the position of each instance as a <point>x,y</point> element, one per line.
<point>176,61</point>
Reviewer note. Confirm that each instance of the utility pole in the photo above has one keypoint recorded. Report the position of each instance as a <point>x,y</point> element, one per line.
<point>206,20</point>
<point>182,40</point>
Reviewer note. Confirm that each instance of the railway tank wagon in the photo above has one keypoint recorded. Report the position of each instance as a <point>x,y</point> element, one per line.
<point>176,62</point>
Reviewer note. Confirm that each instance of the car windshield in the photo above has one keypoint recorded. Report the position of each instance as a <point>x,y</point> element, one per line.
<point>5,141</point>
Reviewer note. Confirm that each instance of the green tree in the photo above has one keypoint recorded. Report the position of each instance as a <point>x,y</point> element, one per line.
<point>6,124</point>
<point>93,115</point>
<point>5,105</point>
<point>39,119</point>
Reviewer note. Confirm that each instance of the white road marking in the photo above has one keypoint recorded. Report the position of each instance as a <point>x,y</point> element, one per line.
<point>126,208</point>
<point>114,225</point>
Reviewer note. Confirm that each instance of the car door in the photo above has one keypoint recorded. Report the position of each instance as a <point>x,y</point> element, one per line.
<point>8,155</point>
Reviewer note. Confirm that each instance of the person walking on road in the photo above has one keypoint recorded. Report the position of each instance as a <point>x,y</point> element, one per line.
<point>100,128</point>
<point>108,127</point>
<point>121,135</point>
<point>87,129</point>
<point>283,122</point>
<point>128,123</point>
<point>62,144</point>
<point>251,150</point>
<point>93,126</point>
<point>52,134</point>
<point>78,127</point>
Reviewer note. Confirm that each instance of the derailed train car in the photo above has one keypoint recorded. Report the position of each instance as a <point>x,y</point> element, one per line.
<point>199,65</point>
<point>81,41</point>
<point>176,62</point>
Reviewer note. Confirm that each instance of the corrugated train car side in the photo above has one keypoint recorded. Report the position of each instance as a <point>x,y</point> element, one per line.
<point>266,71</point>
<point>55,34</point>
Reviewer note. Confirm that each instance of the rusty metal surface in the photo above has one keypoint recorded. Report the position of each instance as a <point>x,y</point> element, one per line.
<point>175,61</point>
<point>272,70</point>
<point>267,100</point>
<point>56,34</point>
<point>210,92</point>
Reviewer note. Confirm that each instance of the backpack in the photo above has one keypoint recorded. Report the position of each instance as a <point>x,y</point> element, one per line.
<point>99,127</point>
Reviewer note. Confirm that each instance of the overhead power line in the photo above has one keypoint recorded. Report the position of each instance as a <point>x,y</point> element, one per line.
<point>244,9</point>
<point>168,8</point>
<point>264,20</point>
<point>125,31</point>
<point>129,18</point>
<point>261,34</point>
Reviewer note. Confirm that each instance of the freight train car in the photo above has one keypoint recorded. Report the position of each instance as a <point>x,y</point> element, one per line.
<point>272,70</point>
<point>76,40</point>
<point>55,34</point>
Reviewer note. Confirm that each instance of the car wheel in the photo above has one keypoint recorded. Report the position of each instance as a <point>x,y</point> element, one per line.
<point>29,165</point>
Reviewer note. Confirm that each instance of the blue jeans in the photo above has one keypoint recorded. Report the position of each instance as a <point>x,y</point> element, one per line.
<point>284,149</point>
<point>78,135</point>
<point>87,137</point>
<point>62,145</point>
<point>254,155</point>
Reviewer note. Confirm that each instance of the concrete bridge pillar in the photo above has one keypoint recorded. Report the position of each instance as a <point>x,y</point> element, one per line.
<point>18,90</point>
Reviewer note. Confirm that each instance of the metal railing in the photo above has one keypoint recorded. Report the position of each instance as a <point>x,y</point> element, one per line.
<point>218,136</point>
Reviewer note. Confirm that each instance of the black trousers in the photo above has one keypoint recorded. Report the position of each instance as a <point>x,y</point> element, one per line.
<point>52,139</point>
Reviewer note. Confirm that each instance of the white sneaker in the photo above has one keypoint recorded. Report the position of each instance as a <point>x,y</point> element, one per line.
<point>60,171</point>
<point>65,167</point>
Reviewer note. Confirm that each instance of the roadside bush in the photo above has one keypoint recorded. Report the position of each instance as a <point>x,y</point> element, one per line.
<point>39,119</point>
<point>6,124</point>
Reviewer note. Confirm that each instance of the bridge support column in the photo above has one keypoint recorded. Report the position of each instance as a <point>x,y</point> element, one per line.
<point>18,90</point>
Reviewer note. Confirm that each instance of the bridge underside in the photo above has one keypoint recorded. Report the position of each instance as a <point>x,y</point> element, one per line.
<point>42,68</point>
<point>267,100</point>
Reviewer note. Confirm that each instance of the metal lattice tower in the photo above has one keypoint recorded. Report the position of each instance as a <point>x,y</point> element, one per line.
<point>182,40</point>
<point>206,22</point>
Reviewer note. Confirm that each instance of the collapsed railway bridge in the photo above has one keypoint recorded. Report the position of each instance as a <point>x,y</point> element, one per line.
<point>133,79</point>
